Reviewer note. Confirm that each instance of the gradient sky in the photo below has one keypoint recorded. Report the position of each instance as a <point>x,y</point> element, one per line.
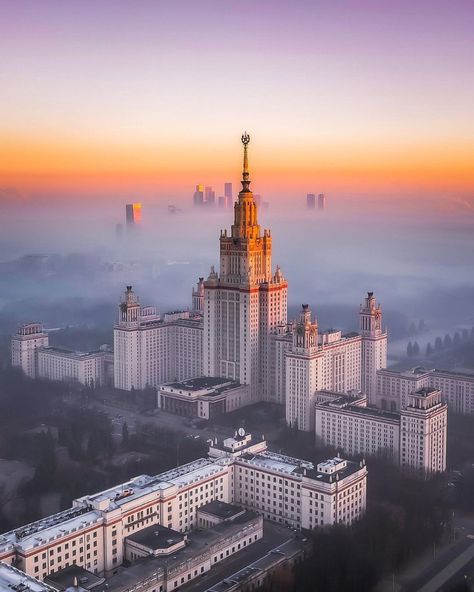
<point>341,95</point>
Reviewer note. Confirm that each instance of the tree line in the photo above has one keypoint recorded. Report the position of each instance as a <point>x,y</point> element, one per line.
<point>440,344</point>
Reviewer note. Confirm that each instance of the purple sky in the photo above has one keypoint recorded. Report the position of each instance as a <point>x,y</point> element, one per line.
<point>335,79</point>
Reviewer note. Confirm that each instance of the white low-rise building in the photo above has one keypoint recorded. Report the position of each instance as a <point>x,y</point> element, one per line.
<point>356,429</point>
<point>203,397</point>
<point>414,438</point>
<point>149,352</point>
<point>292,491</point>
<point>32,353</point>
<point>163,560</point>
<point>89,368</point>
<point>15,580</point>
<point>393,388</point>
<point>92,534</point>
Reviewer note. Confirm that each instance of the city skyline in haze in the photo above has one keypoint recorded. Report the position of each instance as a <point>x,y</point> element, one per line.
<point>363,97</point>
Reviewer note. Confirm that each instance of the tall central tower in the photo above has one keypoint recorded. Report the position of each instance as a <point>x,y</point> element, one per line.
<point>244,303</point>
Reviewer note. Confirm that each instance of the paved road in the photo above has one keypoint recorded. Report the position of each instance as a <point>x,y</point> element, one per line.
<point>450,565</point>
<point>449,571</point>
<point>465,575</point>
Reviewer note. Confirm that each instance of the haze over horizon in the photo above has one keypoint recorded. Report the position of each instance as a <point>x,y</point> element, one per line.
<point>365,101</point>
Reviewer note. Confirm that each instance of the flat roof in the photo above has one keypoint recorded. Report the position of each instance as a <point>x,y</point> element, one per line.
<point>350,468</point>
<point>194,322</point>
<point>144,484</point>
<point>331,462</point>
<point>339,399</point>
<point>409,373</point>
<point>252,442</point>
<point>83,515</point>
<point>221,509</point>
<point>345,403</point>
<point>284,551</point>
<point>425,391</point>
<point>40,532</point>
<point>203,382</point>
<point>198,542</point>
<point>64,578</point>
<point>156,537</point>
<point>14,580</point>
<point>68,352</point>
<point>277,462</point>
<point>466,374</point>
<point>294,467</point>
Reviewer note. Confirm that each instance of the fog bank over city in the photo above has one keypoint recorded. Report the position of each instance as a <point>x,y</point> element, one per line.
<point>419,263</point>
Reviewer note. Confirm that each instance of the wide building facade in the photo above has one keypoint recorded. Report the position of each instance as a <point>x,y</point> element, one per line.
<point>394,388</point>
<point>93,532</point>
<point>330,361</point>
<point>148,351</point>
<point>70,366</point>
<point>414,438</point>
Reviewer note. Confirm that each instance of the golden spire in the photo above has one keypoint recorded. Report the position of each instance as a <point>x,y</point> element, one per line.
<point>245,209</point>
<point>245,172</point>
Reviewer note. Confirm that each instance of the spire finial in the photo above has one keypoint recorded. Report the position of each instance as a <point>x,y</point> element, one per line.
<point>245,172</point>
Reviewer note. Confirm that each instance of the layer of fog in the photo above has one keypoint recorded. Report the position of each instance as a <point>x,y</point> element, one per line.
<point>418,263</point>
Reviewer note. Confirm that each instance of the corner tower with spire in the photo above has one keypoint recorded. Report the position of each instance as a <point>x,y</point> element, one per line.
<point>374,346</point>
<point>245,302</point>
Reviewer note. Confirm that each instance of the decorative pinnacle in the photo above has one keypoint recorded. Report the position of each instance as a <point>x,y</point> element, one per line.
<point>245,174</point>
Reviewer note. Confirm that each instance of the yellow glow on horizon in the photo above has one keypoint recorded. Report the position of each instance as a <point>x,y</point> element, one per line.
<point>29,162</point>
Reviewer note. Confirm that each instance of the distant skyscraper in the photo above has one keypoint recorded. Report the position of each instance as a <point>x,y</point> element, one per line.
<point>310,201</point>
<point>119,231</point>
<point>221,201</point>
<point>258,200</point>
<point>133,214</point>
<point>228,194</point>
<point>209,196</point>
<point>321,200</point>
<point>198,197</point>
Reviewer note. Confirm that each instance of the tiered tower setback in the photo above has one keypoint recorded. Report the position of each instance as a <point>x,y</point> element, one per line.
<point>244,303</point>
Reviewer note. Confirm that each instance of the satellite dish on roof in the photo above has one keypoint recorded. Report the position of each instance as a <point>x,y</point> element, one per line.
<point>241,432</point>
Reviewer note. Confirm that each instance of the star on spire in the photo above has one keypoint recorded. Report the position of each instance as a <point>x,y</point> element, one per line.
<point>245,172</point>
